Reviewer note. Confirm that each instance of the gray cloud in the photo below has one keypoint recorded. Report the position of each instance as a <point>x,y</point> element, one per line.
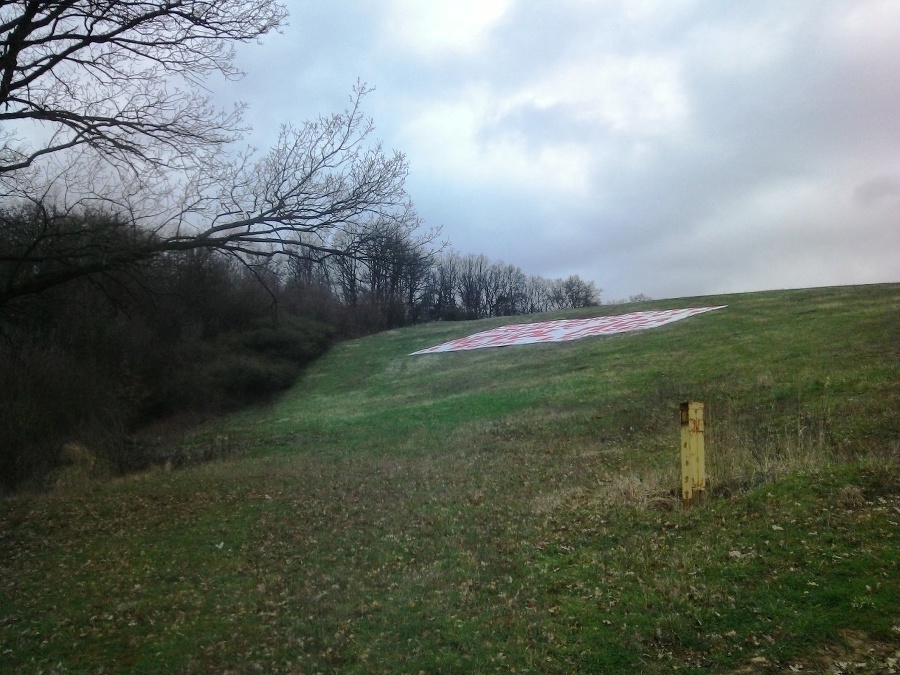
<point>877,189</point>
<point>676,147</point>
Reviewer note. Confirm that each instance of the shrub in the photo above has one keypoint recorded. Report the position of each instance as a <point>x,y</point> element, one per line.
<point>95,360</point>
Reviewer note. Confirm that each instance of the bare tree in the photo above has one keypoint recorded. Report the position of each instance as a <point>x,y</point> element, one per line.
<point>439,293</point>
<point>113,85</point>
<point>580,293</point>
<point>472,284</point>
<point>508,290</point>
<point>98,73</point>
<point>536,295</point>
<point>387,274</point>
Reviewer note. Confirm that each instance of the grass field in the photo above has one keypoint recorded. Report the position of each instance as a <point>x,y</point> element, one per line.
<point>511,509</point>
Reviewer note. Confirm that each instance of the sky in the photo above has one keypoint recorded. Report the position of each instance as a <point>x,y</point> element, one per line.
<point>669,148</point>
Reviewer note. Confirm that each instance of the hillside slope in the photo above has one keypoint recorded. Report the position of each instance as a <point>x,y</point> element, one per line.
<point>510,509</point>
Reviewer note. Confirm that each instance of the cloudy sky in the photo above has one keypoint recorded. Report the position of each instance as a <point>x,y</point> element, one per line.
<point>664,147</point>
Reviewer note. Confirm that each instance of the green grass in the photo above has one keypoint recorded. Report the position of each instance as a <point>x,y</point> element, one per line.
<point>509,509</point>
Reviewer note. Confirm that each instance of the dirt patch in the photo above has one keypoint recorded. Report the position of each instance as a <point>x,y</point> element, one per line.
<point>854,654</point>
<point>858,653</point>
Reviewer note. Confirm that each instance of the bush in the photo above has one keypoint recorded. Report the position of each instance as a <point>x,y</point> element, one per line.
<point>95,360</point>
<point>51,397</point>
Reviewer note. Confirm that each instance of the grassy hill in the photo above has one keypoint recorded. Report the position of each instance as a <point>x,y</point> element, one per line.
<point>510,509</point>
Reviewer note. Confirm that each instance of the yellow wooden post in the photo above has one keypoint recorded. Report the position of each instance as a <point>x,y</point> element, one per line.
<point>693,462</point>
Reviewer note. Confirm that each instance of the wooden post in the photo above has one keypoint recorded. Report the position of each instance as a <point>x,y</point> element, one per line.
<point>693,462</point>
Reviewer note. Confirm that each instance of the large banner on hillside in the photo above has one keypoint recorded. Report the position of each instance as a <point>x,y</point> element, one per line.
<point>565,329</point>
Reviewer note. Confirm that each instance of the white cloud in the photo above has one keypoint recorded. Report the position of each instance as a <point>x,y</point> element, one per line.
<point>869,28</point>
<point>735,49</point>
<point>655,10</point>
<point>635,95</point>
<point>428,28</point>
<point>447,138</point>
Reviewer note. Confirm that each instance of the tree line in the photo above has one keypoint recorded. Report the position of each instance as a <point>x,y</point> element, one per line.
<point>151,269</point>
<point>398,277</point>
<point>111,356</point>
